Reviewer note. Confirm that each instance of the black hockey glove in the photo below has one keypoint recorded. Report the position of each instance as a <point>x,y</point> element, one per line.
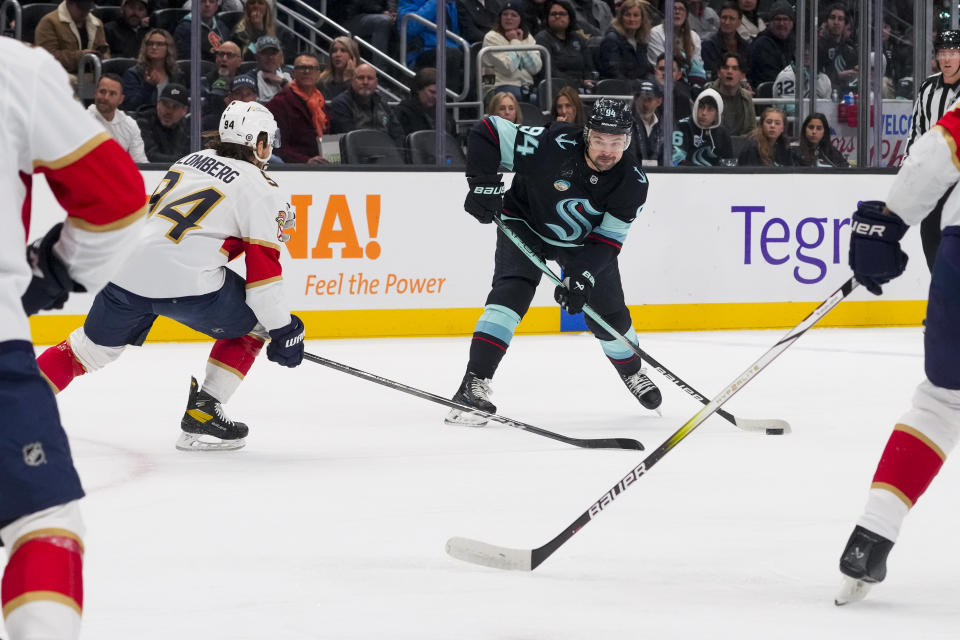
<point>875,254</point>
<point>51,284</point>
<point>574,292</point>
<point>485,198</point>
<point>286,343</point>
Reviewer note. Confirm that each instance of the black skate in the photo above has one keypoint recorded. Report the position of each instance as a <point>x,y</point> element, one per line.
<point>205,425</point>
<point>643,389</point>
<point>863,564</point>
<point>475,392</point>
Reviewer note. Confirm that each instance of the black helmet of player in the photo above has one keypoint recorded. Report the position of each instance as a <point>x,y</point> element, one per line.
<point>947,39</point>
<point>613,119</point>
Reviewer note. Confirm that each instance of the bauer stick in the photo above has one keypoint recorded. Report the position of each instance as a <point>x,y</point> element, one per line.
<point>587,443</point>
<point>770,426</point>
<point>490,555</point>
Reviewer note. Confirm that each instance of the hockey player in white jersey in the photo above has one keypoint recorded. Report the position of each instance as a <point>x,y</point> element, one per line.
<point>43,130</point>
<point>929,430</point>
<point>210,207</point>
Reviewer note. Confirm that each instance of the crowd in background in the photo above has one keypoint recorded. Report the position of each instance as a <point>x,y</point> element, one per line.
<point>726,54</point>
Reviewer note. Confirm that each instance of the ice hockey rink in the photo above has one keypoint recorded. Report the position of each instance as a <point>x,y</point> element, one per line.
<point>332,522</point>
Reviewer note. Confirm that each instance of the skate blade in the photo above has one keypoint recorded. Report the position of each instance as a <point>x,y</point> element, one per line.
<point>464,419</point>
<point>201,442</point>
<point>852,590</point>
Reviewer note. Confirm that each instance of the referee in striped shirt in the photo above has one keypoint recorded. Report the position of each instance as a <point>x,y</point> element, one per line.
<point>937,94</point>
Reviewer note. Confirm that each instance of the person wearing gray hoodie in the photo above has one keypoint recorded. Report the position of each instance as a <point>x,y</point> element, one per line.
<point>699,139</point>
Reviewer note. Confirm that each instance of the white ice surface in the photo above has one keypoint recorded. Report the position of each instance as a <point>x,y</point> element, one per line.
<point>331,523</point>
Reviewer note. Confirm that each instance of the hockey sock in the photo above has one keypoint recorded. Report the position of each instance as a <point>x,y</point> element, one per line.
<point>60,366</point>
<point>491,337</point>
<point>228,364</point>
<point>624,360</point>
<point>42,587</point>
<point>908,465</point>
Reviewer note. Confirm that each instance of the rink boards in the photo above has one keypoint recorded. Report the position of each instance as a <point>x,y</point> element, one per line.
<point>394,254</point>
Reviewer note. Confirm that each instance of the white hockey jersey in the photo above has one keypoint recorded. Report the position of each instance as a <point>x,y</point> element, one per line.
<point>44,130</point>
<point>932,167</point>
<point>207,210</point>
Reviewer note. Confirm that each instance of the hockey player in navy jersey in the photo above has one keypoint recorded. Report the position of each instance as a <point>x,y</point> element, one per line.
<point>575,192</point>
<point>210,207</point>
<point>929,430</point>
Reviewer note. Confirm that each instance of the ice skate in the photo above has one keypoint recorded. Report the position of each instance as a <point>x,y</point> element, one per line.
<point>863,564</point>
<point>205,425</point>
<point>643,389</point>
<point>473,391</point>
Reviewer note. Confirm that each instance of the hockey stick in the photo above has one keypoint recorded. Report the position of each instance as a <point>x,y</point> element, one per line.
<point>770,427</point>
<point>587,443</point>
<point>490,555</point>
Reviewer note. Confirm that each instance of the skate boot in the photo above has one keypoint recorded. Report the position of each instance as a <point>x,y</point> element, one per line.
<point>863,564</point>
<point>473,391</point>
<point>643,389</point>
<point>205,425</point>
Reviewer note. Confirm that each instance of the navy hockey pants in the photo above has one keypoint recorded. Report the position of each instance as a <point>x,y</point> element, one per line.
<point>941,339</point>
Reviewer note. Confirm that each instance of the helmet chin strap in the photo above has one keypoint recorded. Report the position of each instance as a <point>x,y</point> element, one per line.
<point>260,159</point>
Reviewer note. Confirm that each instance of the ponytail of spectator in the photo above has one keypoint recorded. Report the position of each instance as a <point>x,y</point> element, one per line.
<point>571,105</point>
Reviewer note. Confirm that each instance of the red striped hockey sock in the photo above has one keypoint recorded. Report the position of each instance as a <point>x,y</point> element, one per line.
<point>60,366</point>
<point>908,465</point>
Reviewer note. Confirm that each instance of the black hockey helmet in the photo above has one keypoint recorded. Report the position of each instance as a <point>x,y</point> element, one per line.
<point>610,116</point>
<point>947,39</point>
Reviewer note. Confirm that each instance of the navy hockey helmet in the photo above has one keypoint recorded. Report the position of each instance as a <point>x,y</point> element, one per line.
<point>610,116</point>
<point>947,39</point>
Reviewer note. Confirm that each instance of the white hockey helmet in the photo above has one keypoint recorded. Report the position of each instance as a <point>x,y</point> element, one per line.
<point>243,122</point>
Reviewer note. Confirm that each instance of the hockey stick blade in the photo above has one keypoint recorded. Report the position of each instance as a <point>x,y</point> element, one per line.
<point>767,426</point>
<point>489,555</point>
<point>585,443</point>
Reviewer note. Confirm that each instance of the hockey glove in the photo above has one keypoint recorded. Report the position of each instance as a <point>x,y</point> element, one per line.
<point>286,343</point>
<point>51,284</point>
<point>875,254</point>
<point>286,219</point>
<point>485,198</point>
<point>574,292</point>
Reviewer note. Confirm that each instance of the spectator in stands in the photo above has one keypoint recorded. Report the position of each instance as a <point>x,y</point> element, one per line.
<point>700,140</point>
<point>686,45</point>
<point>478,16</point>
<point>768,146</point>
<point>300,112</point>
<point>593,16</point>
<point>70,31</point>
<point>726,40</point>
<point>773,48</point>
<point>343,59</point>
<point>896,52</point>
<point>703,19</point>
<point>535,16</point>
<point>739,115</point>
<point>785,86</point>
<point>164,130</point>
<point>361,107</point>
<point>505,105</point>
<point>751,24</point>
<point>374,21</point>
<point>422,41</point>
<point>217,83</point>
<point>568,48</point>
<point>682,94</point>
<point>243,88</point>
<point>567,106</point>
<point>514,70</point>
<point>211,32</point>
<point>417,112</point>
<point>623,53</point>
<point>125,32</point>
<point>836,54</point>
<point>120,126</point>
<point>814,149</point>
<point>156,67</point>
<point>270,74</point>
<point>647,130</point>
<point>260,19</point>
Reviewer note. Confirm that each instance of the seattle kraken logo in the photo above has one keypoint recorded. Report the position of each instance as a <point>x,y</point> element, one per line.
<point>572,211</point>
